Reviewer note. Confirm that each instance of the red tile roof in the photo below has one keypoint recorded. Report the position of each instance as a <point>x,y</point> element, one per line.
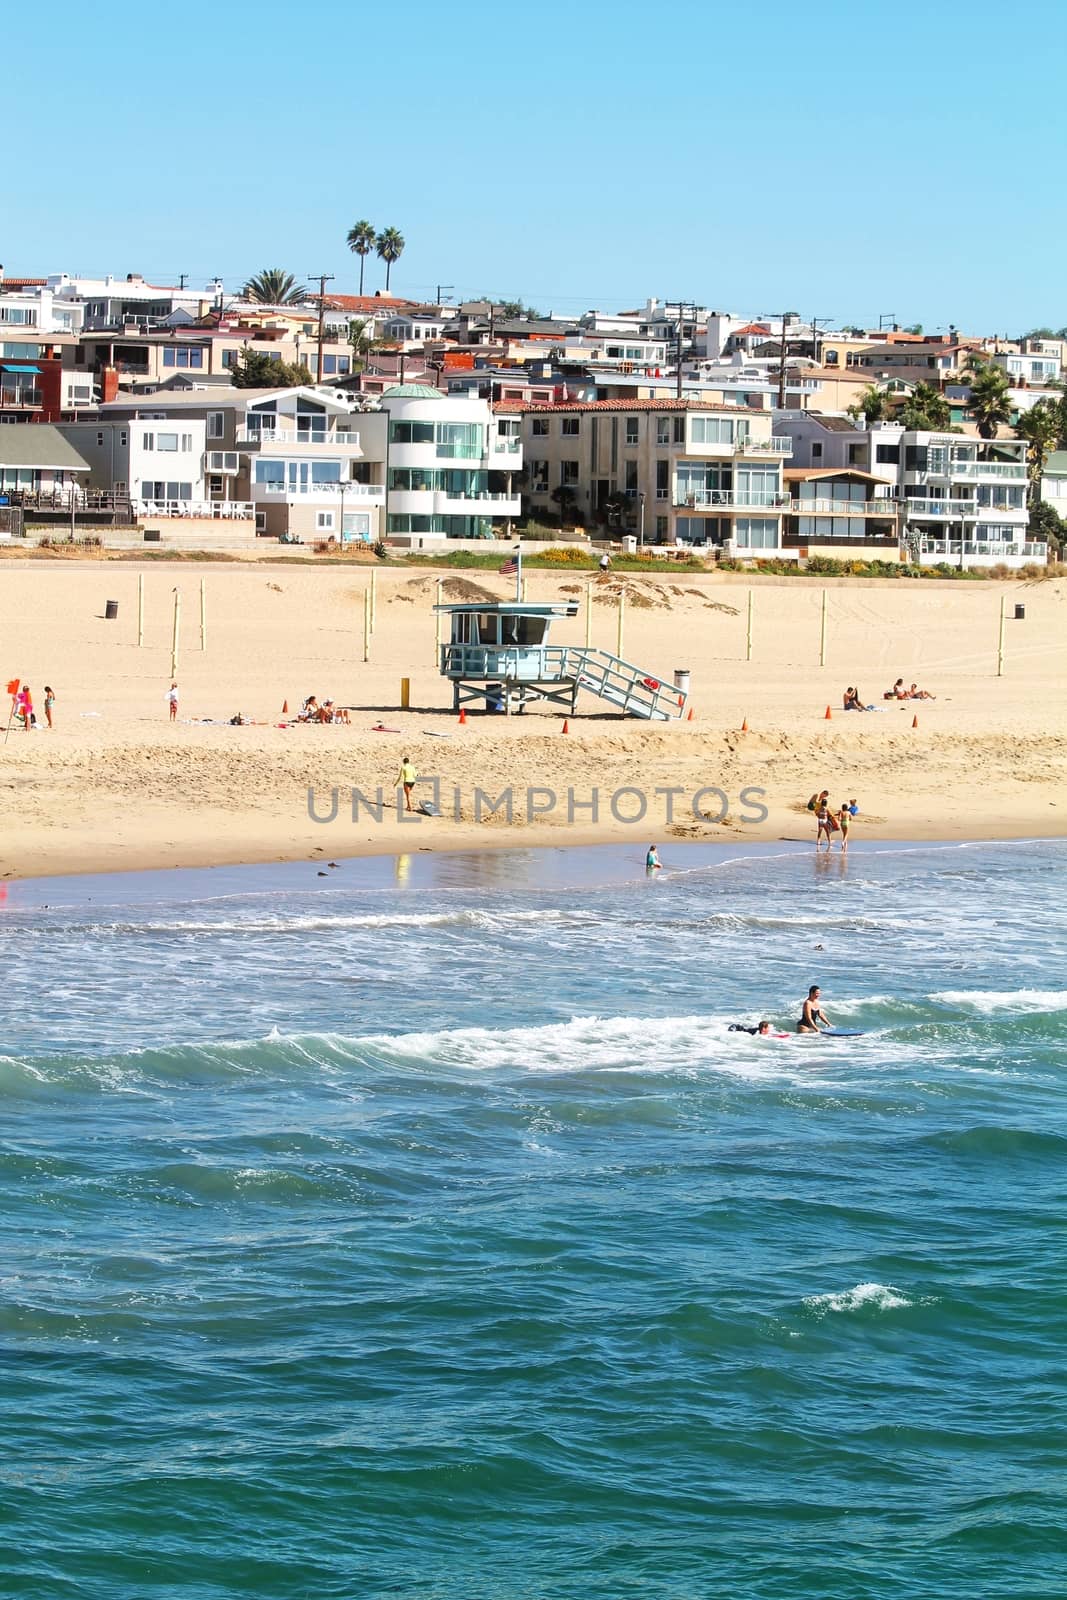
<point>620,405</point>
<point>365,302</point>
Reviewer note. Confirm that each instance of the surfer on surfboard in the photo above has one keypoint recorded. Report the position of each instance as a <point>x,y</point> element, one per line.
<point>812,1013</point>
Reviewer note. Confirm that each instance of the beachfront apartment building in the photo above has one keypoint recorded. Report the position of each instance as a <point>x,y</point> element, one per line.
<point>670,471</point>
<point>153,463</point>
<point>453,465</point>
<point>962,499</point>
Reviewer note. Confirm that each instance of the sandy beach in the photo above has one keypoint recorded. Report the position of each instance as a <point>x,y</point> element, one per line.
<point>115,786</point>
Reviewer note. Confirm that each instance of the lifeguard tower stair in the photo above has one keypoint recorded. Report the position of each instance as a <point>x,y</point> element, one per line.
<point>636,692</point>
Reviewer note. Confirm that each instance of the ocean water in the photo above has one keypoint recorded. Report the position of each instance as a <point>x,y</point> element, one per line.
<point>422,1230</point>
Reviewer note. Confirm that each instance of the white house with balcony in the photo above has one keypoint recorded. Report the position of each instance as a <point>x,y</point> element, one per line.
<point>314,466</point>
<point>156,464</point>
<point>965,501</point>
<point>452,466</point>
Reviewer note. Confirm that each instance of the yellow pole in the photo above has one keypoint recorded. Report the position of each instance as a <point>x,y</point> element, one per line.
<point>140,609</point>
<point>588,615</point>
<point>366,624</point>
<point>748,643</point>
<point>522,596</point>
<point>822,633</point>
<point>405,694</point>
<point>203,616</point>
<point>1000,641</point>
<point>373,602</point>
<point>437,618</point>
<point>622,613</point>
<point>176,635</point>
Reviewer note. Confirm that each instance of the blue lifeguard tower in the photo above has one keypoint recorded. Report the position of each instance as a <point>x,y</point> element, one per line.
<point>499,656</point>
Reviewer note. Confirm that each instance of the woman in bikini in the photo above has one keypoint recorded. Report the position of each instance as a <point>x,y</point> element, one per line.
<point>812,1013</point>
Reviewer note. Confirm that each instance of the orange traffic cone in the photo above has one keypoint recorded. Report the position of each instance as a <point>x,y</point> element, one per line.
<point>744,726</point>
<point>829,717</point>
<point>566,726</point>
<point>285,708</point>
<point>689,718</point>
<point>462,715</point>
<point>681,701</point>
<point>915,722</point>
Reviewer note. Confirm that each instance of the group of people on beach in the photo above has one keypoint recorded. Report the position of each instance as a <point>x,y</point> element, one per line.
<point>325,711</point>
<point>22,713</point>
<point>831,819</point>
<point>899,692</point>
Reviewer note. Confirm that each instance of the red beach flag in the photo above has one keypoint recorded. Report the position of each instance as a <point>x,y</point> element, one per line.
<point>13,687</point>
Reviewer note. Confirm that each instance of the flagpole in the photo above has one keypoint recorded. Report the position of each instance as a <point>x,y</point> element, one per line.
<point>518,571</point>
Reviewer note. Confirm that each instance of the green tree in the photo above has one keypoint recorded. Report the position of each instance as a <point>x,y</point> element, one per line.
<point>361,241</point>
<point>566,499</point>
<point>873,403</point>
<point>926,407</point>
<point>361,341</point>
<point>1042,428</point>
<point>255,369</point>
<point>916,327</point>
<point>390,247</point>
<point>274,287</point>
<point>1046,524</point>
<point>989,404</point>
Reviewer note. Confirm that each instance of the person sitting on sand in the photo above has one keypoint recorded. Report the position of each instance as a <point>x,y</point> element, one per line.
<point>309,711</point>
<point>812,1013</point>
<point>898,691</point>
<point>920,694</point>
<point>853,701</point>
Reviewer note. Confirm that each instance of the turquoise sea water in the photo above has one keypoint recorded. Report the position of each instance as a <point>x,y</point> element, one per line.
<point>427,1233</point>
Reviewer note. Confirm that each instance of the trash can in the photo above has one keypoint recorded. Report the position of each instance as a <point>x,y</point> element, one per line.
<point>1020,613</point>
<point>152,536</point>
<point>681,680</point>
<point>111,610</point>
<point>629,544</point>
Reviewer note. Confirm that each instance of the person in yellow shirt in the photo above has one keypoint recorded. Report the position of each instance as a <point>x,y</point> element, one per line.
<point>406,778</point>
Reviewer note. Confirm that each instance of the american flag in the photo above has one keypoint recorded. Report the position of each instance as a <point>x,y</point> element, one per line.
<point>510,567</point>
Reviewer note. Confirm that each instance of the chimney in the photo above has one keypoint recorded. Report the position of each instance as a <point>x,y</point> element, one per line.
<point>109,384</point>
<point>51,386</point>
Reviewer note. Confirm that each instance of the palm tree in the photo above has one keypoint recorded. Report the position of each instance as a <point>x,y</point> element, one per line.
<point>989,404</point>
<point>926,408</point>
<point>274,287</point>
<point>1041,427</point>
<point>361,241</point>
<point>390,247</point>
<point>873,404</point>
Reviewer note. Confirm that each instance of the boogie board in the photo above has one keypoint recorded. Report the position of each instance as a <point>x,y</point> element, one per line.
<point>428,808</point>
<point>838,1033</point>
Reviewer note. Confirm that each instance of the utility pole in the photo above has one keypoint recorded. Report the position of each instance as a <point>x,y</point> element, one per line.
<point>323,278</point>
<point>815,336</point>
<point>683,308</point>
<point>442,288</point>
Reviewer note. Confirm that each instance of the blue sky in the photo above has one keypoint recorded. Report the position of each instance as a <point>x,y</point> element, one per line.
<point>840,160</point>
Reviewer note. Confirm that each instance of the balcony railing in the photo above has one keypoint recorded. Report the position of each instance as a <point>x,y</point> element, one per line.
<point>215,510</point>
<point>374,493</point>
<point>976,469</point>
<point>730,499</point>
<point>944,549</point>
<point>774,447</point>
<point>12,395</point>
<point>502,446</point>
<point>884,508</point>
<point>272,436</point>
<point>968,510</point>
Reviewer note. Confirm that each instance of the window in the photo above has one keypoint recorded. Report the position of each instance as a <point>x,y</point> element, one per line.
<point>540,427</point>
<point>325,472</point>
<point>411,432</point>
<point>229,358</point>
<point>631,477</point>
<point>270,471</point>
<point>568,473</point>
<point>632,431</point>
<point>215,485</point>
<point>100,440</point>
<point>663,470</point>
<point>711,430</point>
<point>459,440</point>
<point>216,424</point>
<point>679,430</point>
<point>887,453</point>
<point>855,455</point>
<point>816,451</point>
<point>663,430</point>
<point>324,521</point>
<point>166,441</point>
<point>756,533</point>
<point>569,427</point>
<point>661,529</point>
<point>182,356</point>
<point>539,477</point>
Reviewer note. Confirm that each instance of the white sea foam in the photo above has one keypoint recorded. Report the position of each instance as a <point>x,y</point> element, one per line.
<point>986,1001</point>
<point>296,922</point>
<point>863,1296</point>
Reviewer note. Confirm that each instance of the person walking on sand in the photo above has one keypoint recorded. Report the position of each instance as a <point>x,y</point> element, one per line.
<point>25,706</point>
<point>49,702</point>
<point>844,818</point>
<point>812,1014</point>
<point>172,701</point>
<point>406,778</point>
